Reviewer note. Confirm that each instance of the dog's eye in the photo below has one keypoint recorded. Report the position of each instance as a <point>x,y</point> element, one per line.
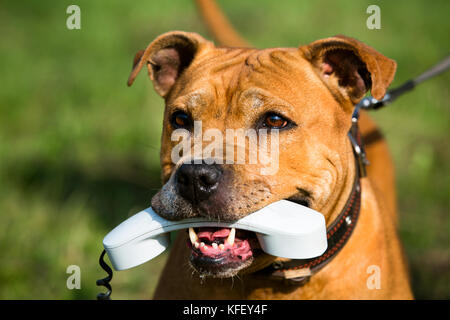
<point>275,121</point>
<point>180,119</point>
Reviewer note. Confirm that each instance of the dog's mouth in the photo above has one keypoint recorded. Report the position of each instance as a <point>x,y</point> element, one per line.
<point>221,252</point>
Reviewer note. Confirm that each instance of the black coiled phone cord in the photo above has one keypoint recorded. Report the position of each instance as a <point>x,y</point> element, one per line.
<point>105,281</point>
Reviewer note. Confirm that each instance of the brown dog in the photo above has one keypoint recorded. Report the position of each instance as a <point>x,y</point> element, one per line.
<point>308,94</point>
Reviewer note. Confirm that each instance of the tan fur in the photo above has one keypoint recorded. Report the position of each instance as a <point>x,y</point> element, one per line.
<point>220,86</point>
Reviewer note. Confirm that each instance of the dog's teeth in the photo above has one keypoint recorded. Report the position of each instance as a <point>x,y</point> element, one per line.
<point>221,246</point>
<point>214,245</point>
<point>193,236</point>
<point>196,244</point>
<point>231,236</point>
<point>202,244</point>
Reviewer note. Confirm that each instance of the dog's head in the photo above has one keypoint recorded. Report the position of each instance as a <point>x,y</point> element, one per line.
<point>295,103</point>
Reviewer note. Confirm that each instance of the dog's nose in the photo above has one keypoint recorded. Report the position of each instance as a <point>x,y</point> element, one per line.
<point>196,182</point>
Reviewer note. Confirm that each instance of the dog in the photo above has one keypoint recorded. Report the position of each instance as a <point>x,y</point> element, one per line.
<point>308,95</point>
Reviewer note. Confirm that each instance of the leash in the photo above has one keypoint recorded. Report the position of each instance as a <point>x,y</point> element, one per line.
<point>370,103</point>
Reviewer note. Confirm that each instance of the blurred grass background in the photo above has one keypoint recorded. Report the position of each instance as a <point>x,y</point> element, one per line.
<point>79,151</point>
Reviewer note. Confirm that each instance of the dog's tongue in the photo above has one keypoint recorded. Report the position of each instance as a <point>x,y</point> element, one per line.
<point>212,233</point>
<point>215,242</point>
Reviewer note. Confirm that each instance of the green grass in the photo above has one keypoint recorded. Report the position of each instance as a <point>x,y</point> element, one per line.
<point>79,151</point>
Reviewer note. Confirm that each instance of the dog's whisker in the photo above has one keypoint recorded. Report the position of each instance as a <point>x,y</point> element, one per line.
<point>150,146</point>
<point>232,282</point>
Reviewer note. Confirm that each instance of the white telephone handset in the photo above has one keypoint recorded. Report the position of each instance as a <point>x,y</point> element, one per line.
<point>283,228</point>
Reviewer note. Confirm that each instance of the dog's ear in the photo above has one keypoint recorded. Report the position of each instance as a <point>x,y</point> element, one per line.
<point>349,67</point>
<point>166,58</point>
